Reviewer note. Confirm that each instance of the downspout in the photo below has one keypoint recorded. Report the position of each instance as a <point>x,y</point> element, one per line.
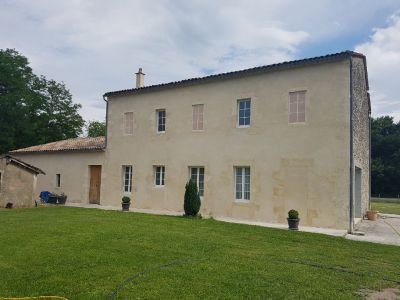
<point>351,203</point>
<point>106,100</point>
<point>369,155</point>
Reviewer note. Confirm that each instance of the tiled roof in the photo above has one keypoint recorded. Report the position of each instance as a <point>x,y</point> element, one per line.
<point>22,164</point>
<point>241,73</point>
<point>77,144</point>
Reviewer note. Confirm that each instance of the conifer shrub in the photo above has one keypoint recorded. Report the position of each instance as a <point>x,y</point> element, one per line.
<point>192,202</point>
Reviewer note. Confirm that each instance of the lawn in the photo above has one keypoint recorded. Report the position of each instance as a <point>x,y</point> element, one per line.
<point>386,207</point>
<point>95,254</point>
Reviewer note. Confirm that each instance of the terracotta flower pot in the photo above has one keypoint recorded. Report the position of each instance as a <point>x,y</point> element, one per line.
<point>372,215</point>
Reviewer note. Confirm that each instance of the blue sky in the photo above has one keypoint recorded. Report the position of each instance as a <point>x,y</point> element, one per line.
<point>97,46</point>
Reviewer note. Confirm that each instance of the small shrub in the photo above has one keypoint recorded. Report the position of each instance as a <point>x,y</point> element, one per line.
<point>293,214</point>
<point>126,199</point>
<point>192,202</point>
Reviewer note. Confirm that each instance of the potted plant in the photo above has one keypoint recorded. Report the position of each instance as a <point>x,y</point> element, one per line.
<point>293,219</point>
<point>372,215</point>
<point>126,202</point>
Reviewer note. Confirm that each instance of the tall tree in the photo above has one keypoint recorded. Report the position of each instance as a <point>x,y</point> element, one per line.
<point>385,154</point>
<point>96,128</point>
<point>33,110</point>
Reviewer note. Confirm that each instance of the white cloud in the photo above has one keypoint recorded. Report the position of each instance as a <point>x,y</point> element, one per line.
<point>383,59</point>
<point>97,46</point>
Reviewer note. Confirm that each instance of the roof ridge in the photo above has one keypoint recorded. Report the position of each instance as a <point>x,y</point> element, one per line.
<point>275,66</point>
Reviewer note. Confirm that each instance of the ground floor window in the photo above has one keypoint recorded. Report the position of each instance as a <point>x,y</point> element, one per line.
<point>197,175</point>
<point>159,175</point>
<point>58,180</point>
<point>242,183</point>
<point>127,179</point>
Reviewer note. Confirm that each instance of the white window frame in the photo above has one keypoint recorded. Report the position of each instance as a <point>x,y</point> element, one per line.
<point>197,182</point>
<point>158,111</point>
<point>297,93</point>
<point>242,183</point>
<point>126,125</point>
<point>161,182</point>
<point>127,170</point>
<point>238,113</point>
<point>196,121</point>
<point>58,180</point>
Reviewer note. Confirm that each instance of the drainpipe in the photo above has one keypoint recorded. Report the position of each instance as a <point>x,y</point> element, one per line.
<point>351,203</point>
<point>369,156</point>
<point>106,100</point>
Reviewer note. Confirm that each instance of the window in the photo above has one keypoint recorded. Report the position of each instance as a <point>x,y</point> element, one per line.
<point>244,112</point>
<point>197,175</point>
<point>128,123</point>
<point>242,183</point>
<point>297,107</point>
<point>58,180</point>
<point>161,120</point>
<point>127,170</point>
<point>198,116</point>
<point>159,175</point>
<point>0,179</point>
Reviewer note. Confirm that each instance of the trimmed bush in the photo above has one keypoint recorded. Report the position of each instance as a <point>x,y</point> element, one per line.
<point>293,214</point>
<point>192,202</point>
<point>126,199</point>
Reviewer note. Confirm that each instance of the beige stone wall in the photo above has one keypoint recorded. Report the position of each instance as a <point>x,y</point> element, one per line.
<point>74,170</point>
<point>300,166</point>
<point>17,185</point>
<point>361,128</point>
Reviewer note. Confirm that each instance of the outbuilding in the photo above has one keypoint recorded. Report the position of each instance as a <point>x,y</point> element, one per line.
<point>17,182</point>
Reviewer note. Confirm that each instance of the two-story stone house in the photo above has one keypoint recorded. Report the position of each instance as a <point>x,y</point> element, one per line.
<point>257,142</point>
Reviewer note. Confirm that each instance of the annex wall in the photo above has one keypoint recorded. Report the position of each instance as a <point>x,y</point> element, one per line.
<point>74,170</point>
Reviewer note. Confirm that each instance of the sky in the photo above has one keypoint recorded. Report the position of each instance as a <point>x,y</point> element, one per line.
<point>97,46</point>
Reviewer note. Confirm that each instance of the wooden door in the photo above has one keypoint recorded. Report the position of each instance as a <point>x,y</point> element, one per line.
<point>95,183</point>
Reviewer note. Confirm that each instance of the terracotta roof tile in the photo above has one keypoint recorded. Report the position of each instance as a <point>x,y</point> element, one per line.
<point>77,144</point>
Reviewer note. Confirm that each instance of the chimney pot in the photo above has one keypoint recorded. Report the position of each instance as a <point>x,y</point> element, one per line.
<point>140,78</point>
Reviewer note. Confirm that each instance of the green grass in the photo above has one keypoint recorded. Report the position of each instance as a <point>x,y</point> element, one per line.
<point>88,254</point>
<point>386,207</point>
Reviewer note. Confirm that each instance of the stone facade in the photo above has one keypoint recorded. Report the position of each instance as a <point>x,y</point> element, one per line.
<point>360,133</point>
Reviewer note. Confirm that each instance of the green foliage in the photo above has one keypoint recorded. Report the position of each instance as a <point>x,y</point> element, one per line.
<point>96,128</point>
<point>126,199</point>
<point>33,110</point>
<point>192,199</point>
<point>293,214</point>
<point>385,154</point>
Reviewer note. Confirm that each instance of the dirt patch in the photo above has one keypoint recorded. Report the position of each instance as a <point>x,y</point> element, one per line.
<point>386,294</point>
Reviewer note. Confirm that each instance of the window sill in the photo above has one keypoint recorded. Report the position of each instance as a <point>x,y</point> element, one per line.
<point>195,130</point>
<point>160,132</point>
<point>241,201</point>
<point>243,126</point>
<point>159,186</point>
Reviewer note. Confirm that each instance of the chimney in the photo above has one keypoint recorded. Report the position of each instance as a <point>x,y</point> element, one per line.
<point>140,78</point>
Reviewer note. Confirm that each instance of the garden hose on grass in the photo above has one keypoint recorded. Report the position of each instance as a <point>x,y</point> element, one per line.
<point>38,297</point>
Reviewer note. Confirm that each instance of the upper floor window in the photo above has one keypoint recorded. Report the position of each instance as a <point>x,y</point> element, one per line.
<point>198,110</point>
<point>197,175</point>
<point>58,180</point>
<point>297,107</point>
<point>127,171</point>
<point>244,113</point>
<point>242,183</point>
<point>159,172</point>
<point>128,123</point>
<point>160,114</point>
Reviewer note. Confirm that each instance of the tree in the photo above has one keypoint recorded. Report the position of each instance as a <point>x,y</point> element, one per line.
<point>385,155</point>
<point>192,199</point>
<point>33,110</point>
<point>96,128</point>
